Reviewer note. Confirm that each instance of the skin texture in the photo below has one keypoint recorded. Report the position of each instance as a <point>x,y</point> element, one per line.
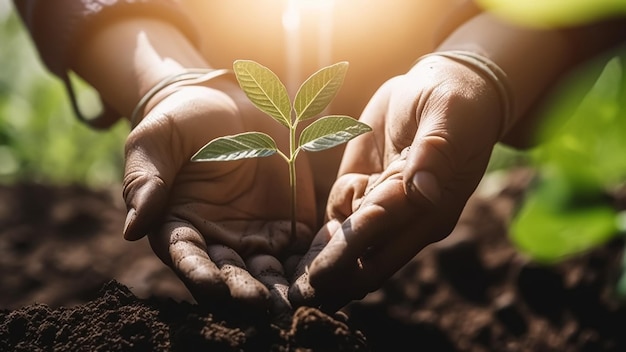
<point>210,228</point>
<point>223,227</point>
<point>374,228</point>
<point>404,187</point>
<point>435,127</point>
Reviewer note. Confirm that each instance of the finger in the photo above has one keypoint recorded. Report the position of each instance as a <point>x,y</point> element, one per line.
<point>364,154</point>
<point>243,287</point>
<point>413,229</point>
<point>317,287</point>
<point>450,149</point>
<point>301,291</point>
<point>183,249</point>
<point>149,172</point>
<point>291,265</point>
<point>269,271</point>
<point>345,195</point>
<point>339,266</point>
<point>430,164</point>
<point>395,166</point>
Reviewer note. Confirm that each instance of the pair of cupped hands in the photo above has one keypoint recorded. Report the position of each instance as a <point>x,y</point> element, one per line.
<point>224,227</point>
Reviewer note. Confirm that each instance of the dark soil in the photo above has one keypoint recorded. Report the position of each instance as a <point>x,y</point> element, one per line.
<point>69,282</point>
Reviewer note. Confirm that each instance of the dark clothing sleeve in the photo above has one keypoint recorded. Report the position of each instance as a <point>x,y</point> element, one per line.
<point>57,27</point>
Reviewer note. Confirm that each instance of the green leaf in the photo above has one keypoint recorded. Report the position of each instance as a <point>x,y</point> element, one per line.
<point>264,90</point>
<point>330,131</point>
<point>558,220</point>
<point>240,146</point>
<point>569,142</point>
<point>554,13</point>
<point>319,90</point>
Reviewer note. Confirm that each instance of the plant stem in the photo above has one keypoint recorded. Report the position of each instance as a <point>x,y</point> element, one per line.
<point>292,176</point>
<point>292,183</point>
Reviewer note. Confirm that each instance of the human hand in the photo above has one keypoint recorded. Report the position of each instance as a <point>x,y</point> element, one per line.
<point>223,227</point>
<point>405,185</point>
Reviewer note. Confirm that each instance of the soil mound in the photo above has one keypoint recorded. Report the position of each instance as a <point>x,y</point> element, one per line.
<point>69,282</point>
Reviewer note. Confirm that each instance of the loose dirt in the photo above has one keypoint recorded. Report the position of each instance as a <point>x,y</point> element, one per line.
<point>69,282</point>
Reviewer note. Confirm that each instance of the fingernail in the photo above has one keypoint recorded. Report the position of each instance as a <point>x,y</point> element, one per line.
<point>426,184</point>
<point>129,219</point>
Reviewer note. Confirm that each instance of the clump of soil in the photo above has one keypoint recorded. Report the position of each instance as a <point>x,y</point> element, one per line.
<point>118,321</point>
<point>70,282</point>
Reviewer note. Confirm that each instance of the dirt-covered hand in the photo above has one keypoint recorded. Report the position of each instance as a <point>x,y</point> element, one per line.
<point>405,185</point>
<point>223,227</point>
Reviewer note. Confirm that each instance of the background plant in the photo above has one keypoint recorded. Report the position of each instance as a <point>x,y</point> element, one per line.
<point>545,13</point>
<point>582,161</point>
<point>267,92</point>
<point>40,138</point>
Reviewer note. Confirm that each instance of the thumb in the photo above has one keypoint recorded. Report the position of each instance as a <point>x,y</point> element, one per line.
<point>149,172</point>
<point>444,167</point>
<point>429,167</point>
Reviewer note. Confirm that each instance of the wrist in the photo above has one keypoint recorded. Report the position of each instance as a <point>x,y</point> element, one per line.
<point>170,83</point>
<point>125,59</point>
<point>492,73</point>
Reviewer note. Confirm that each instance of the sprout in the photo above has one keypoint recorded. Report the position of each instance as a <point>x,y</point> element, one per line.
<point>268,93</point>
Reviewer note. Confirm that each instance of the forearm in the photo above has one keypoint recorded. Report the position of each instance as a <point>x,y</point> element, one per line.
<point>127,58</point>
<point>532,59</point>
<point>78,34</point>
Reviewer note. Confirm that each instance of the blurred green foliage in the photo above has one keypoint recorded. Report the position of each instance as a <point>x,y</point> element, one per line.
<point>582,155</point>
<point>547,13</point>
<point>581,159</point>
<point>40,138</point>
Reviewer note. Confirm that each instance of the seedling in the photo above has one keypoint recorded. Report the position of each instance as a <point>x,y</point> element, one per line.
<point>268,93</point>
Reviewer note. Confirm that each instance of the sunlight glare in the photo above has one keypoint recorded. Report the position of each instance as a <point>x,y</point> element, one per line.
<point>295,8</point>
